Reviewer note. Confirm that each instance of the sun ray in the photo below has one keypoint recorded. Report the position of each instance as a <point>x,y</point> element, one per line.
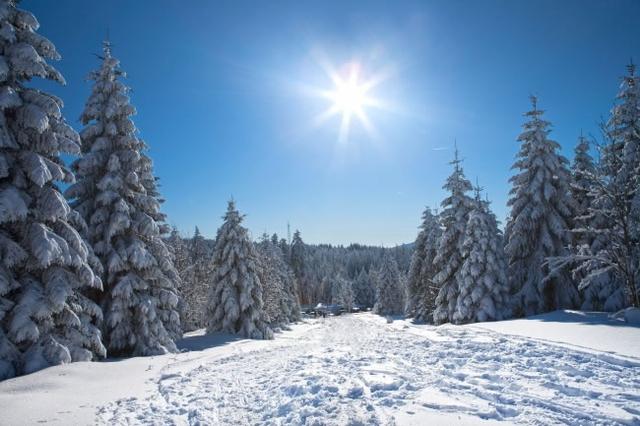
<point>350,97</point>
<point>343,135</point>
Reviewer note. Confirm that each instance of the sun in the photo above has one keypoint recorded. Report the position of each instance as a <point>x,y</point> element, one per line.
<point>350,97</point>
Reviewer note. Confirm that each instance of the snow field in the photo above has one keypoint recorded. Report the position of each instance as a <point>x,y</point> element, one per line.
<point>357,369</point>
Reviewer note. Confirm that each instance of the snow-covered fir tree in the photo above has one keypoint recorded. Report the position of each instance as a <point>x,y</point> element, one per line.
<point>46,268</point>
<point>610,269</point>
<point>179,250</point>
<point>285,248</point>
<point>342,292</point>
<point>421,290</point>
<point>623,183</point>
<point>273,293</point>
<point>275,240</point>
<point>364,290</point>
<point>583,172</point>
<point>585,241</point>
<point>197,277</point>
<point>297,260</point>
<point>484,288</point>
<point>117,195</point>
<point>390,290</point>
<point>448,260</point>
<point>280,299</point>
<point>180,258</point>
<point>539,222</point>
<point>235,302</point>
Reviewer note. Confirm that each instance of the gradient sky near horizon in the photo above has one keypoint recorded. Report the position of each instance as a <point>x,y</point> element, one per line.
<point>220,92</point>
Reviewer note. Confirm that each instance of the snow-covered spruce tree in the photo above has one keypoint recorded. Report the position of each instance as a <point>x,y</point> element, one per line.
<point>621,191</point>
<point>180,259</point>
<point>586,221</point>
<point>364,290</point>
<point>623,134</point>
<point>196,279</point>
<point>539,223</point>
<point>298,262</point>
<point>284,247</point>
<point>611,266</point>
<point>448,260</point>
<point>484,289</point>
<point>280,300</point>
<point>235,301</point>
<point>179,251</point>
<point>421,291</point>
<point>46,268</point>
<point>583,172</point>
<point>117,196</point>
<point>390,291</point>
<point>342,292</point>
<point>272,287</point>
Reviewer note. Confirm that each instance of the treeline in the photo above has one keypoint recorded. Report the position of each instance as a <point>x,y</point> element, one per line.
<point>319,273</point>
<point>572,239</point>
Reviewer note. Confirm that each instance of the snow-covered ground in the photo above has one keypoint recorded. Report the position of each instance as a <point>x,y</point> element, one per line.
<point>560,368</point>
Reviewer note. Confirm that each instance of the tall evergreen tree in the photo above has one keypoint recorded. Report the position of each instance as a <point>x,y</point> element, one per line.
<point>623,182</point>
<point>484,289</point>
<point>46,268</point>
<point>539,223</point>
<point>297,260</point>
<point>179,250</point>
<point>421,291</point>
<point>586,220</point>
<point>364,290</point>
<point>117,195</point>
<point>342,292</point>
<point>284,247</point>
<point>180,259</point>
<point>390,291</point>
<point>196,281</point>
<point>235,301</point>
<point>583,172</point>
<point>448,260</point>
<point>280,298</point>
<point>610,268</point>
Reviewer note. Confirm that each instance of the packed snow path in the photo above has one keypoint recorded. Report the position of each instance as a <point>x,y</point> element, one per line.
<point>358,369</point>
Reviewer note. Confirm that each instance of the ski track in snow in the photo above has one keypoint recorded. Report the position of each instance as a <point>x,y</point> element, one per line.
<point>358,369</point>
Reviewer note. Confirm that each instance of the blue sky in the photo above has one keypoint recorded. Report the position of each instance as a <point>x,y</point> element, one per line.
<point>218,88</point>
